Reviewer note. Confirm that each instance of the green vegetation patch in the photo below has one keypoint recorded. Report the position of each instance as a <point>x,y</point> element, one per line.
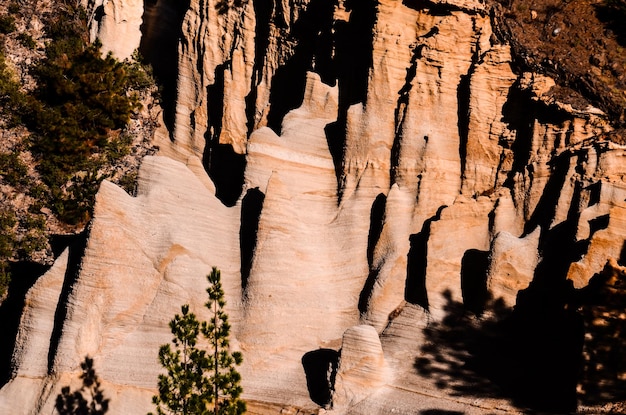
<point>74,121</point>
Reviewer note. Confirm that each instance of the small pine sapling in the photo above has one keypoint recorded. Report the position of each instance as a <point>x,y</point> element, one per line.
<point>199,381</point>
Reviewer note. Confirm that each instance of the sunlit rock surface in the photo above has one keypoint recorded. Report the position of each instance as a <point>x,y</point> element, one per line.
<point>356,172</point>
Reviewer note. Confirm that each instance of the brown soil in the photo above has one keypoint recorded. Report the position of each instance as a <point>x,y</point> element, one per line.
<point>581,43</point>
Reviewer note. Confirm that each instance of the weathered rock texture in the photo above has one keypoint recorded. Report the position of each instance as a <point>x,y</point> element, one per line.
<point>353,169</point>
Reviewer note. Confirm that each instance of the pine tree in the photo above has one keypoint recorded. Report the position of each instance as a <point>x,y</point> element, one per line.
<point>92,403</point>
<point>224,377</point>
<point>200,382</point>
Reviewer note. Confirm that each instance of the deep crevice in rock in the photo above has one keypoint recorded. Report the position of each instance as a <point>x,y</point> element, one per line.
<point>263,14</point>
<point>557,245</point>
<point>263,10</point>
<point>400,112</point>
<point>215,104</point>
<point>350,65</point>
<point>366,292</point>
<point>251,207</point>
<point>546,207</point>
<point>353,52</point>
<point>161,32</point>
<point>519,113</point>
<point>74,261</point>
<point>224,166</point>
<point>415,287</point>
<point>313,35</point>
<point>336,139</point>
<point>463,94</point>
<point>377,220</point>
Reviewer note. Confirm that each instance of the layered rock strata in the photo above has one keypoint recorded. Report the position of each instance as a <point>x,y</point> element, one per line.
<point>380,188</point>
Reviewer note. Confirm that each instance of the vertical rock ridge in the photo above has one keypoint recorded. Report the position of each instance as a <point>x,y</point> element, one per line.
<point>356,169</point>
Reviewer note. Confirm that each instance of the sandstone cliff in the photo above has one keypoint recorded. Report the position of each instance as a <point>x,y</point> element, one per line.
<point>358,170</point>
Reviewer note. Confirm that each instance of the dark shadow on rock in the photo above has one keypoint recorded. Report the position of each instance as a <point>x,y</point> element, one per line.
<point>353,56</point>
<point>352,44</point>
<point>23,277</point>
<point>263,13</point>
<point>434,9</point>
<point>251,207</point>
<point>215,104</point>
<point>226,168</point>
<point>415,286</point>
<point>377,219</point>
<point>558,246</point>
<point>74,261</point>
<point>597,224</point>
<point>545,210</point>
<point>336,138</point>
<point>463,94</point>
<point>312,33</point>
<point>320,368</point>
<point>161,32</point>
<point>613,15</point>
<point>367,291</point>
<point>601,303</point>
<point>336,50</point>
<point>530,357</point>
<point>519,113</point>
<point>474,267</point>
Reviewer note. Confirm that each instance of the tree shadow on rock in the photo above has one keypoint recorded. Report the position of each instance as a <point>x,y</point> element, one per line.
<point>505,355</point>
<point>88,400</point>
<point>603,375</point>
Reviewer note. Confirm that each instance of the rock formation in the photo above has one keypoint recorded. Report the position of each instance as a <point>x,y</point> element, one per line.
<point>354,169</point>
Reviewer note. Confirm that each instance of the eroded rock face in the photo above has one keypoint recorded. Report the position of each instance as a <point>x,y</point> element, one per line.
<point>117,23</point>
<point>384,160</point>
<point>362,367</point>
